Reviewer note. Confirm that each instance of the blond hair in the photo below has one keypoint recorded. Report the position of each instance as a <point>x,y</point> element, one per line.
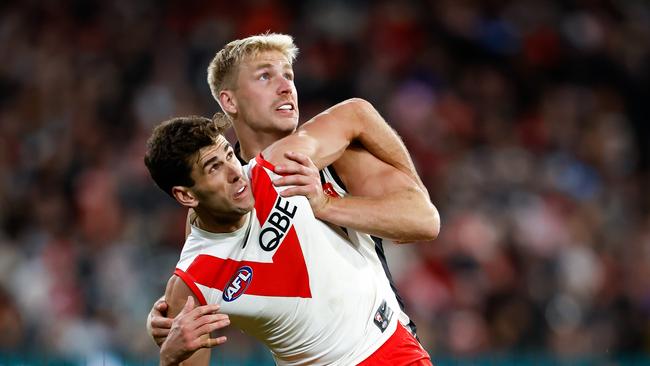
<point>226,62</point>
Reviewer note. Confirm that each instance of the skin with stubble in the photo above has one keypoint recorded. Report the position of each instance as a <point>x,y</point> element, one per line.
<point>220,195</point>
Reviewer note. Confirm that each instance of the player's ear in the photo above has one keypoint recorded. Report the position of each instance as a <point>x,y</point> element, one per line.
<point>228,101</point>
<point>185,196</point>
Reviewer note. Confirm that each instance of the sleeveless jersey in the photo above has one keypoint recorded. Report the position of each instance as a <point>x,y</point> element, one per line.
<point>312,296</point>
<point>373,246</point>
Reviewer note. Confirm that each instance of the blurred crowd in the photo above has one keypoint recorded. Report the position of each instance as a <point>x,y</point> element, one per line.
<point>527,120</point>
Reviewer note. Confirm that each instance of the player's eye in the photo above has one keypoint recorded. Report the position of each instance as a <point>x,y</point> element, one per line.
<point>229,155</point>
<point>264,76</point>
<point>214,167</point>
<point>289,76</point>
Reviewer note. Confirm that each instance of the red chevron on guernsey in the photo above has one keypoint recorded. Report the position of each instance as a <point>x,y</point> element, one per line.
<point>286,276</point>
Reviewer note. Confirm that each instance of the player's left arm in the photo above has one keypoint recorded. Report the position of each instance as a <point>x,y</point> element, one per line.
<point>189,341</point>
<point>381,184</point>
<point>158,324</point>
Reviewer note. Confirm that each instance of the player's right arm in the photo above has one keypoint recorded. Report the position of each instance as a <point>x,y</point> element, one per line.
<point>381,184</point>
<point>325,137</point>
<point>158,324</point>
<point>189,339</point>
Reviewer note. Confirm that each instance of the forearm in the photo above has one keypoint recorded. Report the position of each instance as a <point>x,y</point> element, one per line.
<point>403,216</point>
<point>167,360</point>
<point>199,358</point>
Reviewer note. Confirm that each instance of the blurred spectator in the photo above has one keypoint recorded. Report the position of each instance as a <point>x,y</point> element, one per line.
<point>12,328</point>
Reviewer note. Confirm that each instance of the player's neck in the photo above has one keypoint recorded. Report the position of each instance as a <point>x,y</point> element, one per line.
<point>253,142</point>
<point>213,224</point>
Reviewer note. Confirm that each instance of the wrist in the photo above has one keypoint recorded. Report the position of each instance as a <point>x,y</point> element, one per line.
<point>166,359</point>
<point>320,211</point>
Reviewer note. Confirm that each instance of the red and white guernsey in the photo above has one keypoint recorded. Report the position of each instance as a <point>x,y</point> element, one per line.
<point>295,283</point>
<point>371,247</point>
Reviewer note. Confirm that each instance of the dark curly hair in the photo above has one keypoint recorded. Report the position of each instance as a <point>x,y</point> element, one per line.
<point>172,145</point>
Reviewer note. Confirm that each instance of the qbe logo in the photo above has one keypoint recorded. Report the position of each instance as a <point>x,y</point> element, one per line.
<point>277,224</point>
<point>238,283</point>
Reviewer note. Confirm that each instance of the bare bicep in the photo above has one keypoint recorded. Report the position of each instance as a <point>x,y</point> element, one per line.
<point>176,295</point>
<point>321,139</point>
<point>365,175</point>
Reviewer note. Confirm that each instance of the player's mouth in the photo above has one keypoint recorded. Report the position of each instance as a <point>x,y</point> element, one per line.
<point>286,108</point>
<point>241,192</point>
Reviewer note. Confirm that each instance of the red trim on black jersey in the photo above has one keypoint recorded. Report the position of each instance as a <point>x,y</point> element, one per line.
<point>191,283</point>
<point>285,276</point>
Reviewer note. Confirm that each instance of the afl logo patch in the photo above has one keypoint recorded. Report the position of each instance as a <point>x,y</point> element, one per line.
<point>238,283</point>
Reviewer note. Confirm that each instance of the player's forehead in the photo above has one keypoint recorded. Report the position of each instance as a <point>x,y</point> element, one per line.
<point>218,150</point>
<point>266,58</point>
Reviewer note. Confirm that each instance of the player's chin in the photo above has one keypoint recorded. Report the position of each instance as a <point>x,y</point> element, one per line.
<point>244,207</point>
<point>288,124</point>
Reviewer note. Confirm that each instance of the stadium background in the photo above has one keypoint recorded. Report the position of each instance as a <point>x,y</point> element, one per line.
<point>528,122</point>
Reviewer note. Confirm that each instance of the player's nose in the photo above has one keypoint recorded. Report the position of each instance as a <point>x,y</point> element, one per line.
<point>234,173</point>
<point>285,86</point>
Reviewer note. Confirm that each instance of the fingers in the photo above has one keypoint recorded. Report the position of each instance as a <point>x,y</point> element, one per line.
<point>212,326</point>
<point>213,342</point>
<point>158,326</point>
<point>302,178</point>
<point>160,332</point>
<point>160,306</point>
<point>298,191</point>
<point>300,158</point>
<point>159,329</point>
<point>204,309</point>
<point>304,165</point>
<point>295,180</point>
<point>195,329</point>
<point>289,169</point>
<point>159,322</point>
<point>189,305</point>
<point>212,318</point>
